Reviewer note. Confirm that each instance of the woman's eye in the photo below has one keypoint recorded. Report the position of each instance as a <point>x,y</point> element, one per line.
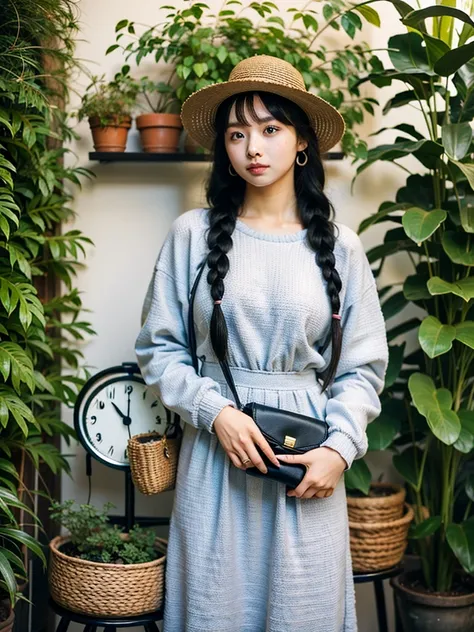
<point>269,127</point>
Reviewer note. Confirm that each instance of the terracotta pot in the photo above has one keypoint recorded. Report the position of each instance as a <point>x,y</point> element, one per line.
<point>424,612</point>
<point>159,133</point>
<point>111,137</point>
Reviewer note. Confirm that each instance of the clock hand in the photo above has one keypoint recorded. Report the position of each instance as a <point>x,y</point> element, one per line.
<point>118,410</point>
<point>125,418</point>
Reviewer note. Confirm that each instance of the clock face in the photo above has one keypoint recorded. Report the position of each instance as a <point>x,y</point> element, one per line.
<point>114,408</point>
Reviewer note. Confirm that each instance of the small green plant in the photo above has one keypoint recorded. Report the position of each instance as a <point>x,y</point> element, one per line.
<point>93,538</point>
<point>110,101</point>
<point>157,96</point>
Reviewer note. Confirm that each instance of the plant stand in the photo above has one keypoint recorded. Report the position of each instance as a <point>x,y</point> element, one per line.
<point>91,624</point>
<point>377,578</point>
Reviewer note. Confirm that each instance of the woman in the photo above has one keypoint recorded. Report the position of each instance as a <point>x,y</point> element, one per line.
<point>245,554</point>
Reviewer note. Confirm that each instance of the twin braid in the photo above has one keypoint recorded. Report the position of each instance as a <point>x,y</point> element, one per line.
<point>321,238</point>
<point>219,239</point>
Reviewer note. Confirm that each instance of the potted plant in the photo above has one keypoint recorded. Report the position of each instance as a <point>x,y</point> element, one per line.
<point>161,126</point>
<point>107,105</point>
<point>203,48</point>
<point>99,570</point>
<point>431,389</point>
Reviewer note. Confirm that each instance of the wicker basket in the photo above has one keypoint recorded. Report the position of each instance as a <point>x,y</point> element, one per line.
<point>153,461</point>
<point>110,590</point>
<point>377,508</point>
<point>379,545</point>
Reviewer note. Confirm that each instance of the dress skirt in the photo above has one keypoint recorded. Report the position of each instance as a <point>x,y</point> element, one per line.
<point>242,555</point>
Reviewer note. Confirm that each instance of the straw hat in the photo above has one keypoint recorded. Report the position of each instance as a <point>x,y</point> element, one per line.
<point>261,72</point>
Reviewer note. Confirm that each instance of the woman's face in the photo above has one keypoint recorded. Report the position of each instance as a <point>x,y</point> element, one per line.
<point>268,142</point>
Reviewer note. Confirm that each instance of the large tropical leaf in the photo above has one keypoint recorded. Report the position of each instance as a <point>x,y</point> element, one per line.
<point>456,138</point>
<point>435,406</point>
<point>358,476</point>
<point>463,288</point>
<point>425,528</point>
<point>465,333</point>
<point>385,210</point>
<point>382,431</point>
<point>467,169</point>
<point>415,289</point>
<point>461,540</point>
<point>454,59</point>
<point>419,224</point>
<point>458,247</point>
<point>395,362</point>
<point>407,54</point>
<point>435,338</point>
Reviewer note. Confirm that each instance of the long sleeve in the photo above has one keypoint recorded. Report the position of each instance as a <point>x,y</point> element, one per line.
<point>162,347</point>
<point>354,395</point>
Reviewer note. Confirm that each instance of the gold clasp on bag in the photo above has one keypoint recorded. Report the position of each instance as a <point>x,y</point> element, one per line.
<point>289,442</point>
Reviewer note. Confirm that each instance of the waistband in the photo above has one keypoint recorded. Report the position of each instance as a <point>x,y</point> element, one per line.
<point>277,380</point>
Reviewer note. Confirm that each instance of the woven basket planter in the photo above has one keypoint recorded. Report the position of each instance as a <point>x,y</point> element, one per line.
<point>379,545</point>
<point>377,508</point>
<point>110,590</point>
<point>154,461</point>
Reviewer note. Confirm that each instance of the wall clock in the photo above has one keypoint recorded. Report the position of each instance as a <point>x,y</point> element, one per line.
<point>114,405</point>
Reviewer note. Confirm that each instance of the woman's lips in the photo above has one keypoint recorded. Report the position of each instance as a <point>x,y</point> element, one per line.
<point>257,170</point>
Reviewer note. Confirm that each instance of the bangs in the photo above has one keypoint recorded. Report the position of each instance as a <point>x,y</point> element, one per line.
<point>277,106</point>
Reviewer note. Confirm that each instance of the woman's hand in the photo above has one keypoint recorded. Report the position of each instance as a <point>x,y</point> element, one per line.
<point>324,469</point>
<point>238,435</point>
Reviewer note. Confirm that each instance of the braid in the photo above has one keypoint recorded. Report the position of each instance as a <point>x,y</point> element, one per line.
<point>321,239</point>
<point>222,220</point>
<point>316,211</point>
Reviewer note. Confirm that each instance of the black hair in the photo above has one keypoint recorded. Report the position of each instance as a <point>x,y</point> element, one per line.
<point>225,196</point>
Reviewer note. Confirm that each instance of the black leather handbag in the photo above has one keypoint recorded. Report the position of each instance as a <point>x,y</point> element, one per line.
<point>287,432</point>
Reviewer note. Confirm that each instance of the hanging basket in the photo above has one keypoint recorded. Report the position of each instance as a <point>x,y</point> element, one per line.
<point>153,461</point>
<point>108,590</point>
<point>376,546</point>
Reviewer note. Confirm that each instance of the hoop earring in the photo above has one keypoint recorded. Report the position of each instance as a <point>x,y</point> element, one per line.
<point>230,167</point>
<point>301,164</point>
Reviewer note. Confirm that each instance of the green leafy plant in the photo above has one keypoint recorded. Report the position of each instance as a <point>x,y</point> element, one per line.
<point>428,412</point>
<point>202,48</point>
<point>40,364</point>
<point>110,101</point>
<point>94,539</point>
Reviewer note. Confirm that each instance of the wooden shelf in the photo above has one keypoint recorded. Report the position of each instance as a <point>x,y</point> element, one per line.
<point>141,156</point>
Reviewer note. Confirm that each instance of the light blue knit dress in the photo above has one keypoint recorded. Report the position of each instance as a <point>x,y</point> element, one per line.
<point>242,555</point>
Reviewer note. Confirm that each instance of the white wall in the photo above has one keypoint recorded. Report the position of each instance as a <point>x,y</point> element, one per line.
<point>128,208</point>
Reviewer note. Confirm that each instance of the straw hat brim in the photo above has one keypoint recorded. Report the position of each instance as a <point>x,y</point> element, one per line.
<point>199,110</point>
